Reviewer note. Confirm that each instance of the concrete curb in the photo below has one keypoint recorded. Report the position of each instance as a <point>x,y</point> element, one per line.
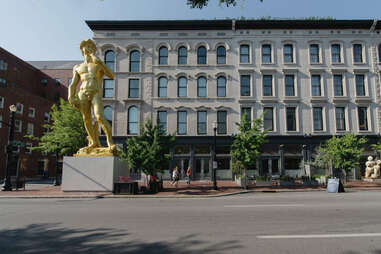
<point>155,196</point>
<point>178,195</point>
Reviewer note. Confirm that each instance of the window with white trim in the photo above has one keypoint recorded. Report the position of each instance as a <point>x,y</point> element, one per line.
<point>314,53</point>
<point>288,53</point>
<point>1,102</point>
<point>318,118</point>
<point>338,85</point>
<point>244,53</point>
<point>357,53</point>
<point>19,108</point>
<point>221,122</point>
<point>363,118</point>
<point>336,53</point>
<point>268,118</point>
<point>289,81</point>
<point>266,53</point>
<point>46,117</point>
<point>267,82</point>
<point>28,147</point>
<point>181,122</point>
<point>340,118</point>
<point>30,129</point>
<point>360,85</point>
<point>291,118</point>
<point>32,112</point>
<point>316,85</point>
<point>18,126</point>
<point>162,120</point>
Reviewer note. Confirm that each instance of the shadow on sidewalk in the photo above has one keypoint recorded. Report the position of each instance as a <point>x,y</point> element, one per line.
<point>52,238</point>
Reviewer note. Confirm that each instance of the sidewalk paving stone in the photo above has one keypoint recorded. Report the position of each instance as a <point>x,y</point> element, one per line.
<point>195,189</point>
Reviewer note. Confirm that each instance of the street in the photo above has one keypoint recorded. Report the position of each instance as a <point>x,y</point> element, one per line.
<point>291,222</point>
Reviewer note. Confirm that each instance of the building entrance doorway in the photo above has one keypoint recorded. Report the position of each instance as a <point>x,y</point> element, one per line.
<point>269,166</point>
<point>202,170</point>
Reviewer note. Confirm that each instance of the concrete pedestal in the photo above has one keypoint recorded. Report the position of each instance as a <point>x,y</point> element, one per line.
<point>92,173</point>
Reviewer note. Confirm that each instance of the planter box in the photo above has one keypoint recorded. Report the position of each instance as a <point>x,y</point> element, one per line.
<point>286,183</point>
<point>263,183</point>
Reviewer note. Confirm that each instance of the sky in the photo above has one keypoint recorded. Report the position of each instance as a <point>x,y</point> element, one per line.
<point>52,29</point>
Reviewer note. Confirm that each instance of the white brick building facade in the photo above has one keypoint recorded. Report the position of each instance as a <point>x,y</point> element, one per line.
<point>313,79</point>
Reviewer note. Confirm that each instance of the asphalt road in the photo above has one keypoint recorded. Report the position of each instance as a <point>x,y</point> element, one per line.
<point>309,222</point>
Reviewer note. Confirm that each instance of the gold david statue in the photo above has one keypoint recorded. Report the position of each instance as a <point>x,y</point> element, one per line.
<point>89,100</point>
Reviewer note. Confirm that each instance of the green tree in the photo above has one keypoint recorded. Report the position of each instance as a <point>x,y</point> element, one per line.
<point>343,152</point>
<point>377,147</point>
<point>66,133</point>
<point>202,3</point>
<point>247,145</point>
<point>149,152</point>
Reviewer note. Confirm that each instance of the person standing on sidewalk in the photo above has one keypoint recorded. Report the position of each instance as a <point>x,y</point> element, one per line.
<point>175,176</point>
<point>189,173</point>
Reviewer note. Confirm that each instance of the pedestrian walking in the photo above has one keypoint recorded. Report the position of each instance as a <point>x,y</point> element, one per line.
<point>175,176</point>
<point>189,173</point>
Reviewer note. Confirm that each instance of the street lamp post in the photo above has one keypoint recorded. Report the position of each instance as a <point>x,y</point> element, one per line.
<point>214,168</point>
<point>57,180</point>
<point>7,185</point>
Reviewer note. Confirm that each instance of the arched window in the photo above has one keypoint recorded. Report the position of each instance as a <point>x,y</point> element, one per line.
<point>107,112</point>
<point>133,120</point>
<point>163,56</point>
<point>221,55</point>
<point>221,86</point>
<point>163,83</point>
<point>110,59</point>
<point>182,55</point>
<point>134,61</point>
<point>182,87</point>
<point>201,55</point>
<point>201,87</point>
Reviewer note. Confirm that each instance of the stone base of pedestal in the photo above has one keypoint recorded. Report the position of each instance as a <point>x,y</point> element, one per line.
<point>371,180</point>
<point>92,173</point>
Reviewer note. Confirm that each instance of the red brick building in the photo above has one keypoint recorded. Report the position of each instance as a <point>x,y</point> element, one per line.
<point>34,92</point>
<point>61,71</point>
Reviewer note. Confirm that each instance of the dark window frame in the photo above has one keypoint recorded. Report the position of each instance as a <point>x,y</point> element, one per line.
<point>182,87</point>
<point>221,55</point>
<point>131,89</point>
<point>181,57</point>
<point>110,63</point>
<point>244,57</point>
<point>130,122</point>
<point>201,88</point>
<point>245,89</point>
<point>161,87</point>
<point>182,123</point>
<point>202,124</point>
<point>222,122</point>
<point>314,53</point>
<point>202,55</point>
<point>163,55</point>
<point>135,62</point>
<point>221,86</point>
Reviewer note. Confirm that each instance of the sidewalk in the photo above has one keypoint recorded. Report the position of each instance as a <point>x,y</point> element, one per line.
<point>195,189</point>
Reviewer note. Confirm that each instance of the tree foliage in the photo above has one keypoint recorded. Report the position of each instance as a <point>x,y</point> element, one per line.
<point>247,144</point>
<point>344,152</point>
<point>66,133</point>
<point>202,3</point>
<point>149,152</point>
<point>377,147</point>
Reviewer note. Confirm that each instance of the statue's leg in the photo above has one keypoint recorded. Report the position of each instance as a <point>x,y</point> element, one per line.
<point>85,108</point>
<point>98,112</point>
